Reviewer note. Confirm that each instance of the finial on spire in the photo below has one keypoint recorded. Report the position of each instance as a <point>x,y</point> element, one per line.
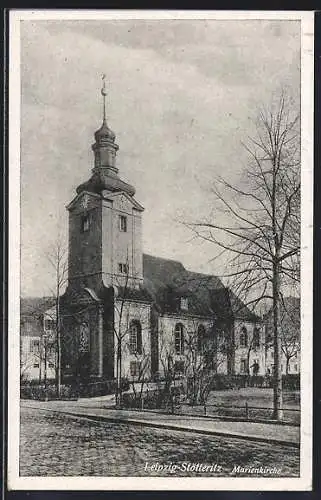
<point>104,93</point>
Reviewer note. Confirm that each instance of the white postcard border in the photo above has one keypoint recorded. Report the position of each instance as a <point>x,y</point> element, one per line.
<point>143,483</point>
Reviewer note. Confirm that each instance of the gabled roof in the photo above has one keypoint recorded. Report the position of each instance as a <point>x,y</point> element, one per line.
<point>289,317</point>
<point>135,294</point>
<point>289,306</point>
<point>225,302</point>
<point>167,281</point>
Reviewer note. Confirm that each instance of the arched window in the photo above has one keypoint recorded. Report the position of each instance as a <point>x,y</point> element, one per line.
<point>179,338</point>
<point>200,339</point>
<point>135,337</point>
<point>256,338</point>
<point>243,337</point>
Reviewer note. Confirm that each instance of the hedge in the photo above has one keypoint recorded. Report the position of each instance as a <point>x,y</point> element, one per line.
<point>74,389</point>
<point>41,392</point>
<point>101,387</point>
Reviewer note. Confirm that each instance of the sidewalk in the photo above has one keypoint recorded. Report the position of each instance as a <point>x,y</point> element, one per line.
<point>272,433</point>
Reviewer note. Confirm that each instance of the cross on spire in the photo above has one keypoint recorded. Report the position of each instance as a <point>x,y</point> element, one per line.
<point>104,94</point>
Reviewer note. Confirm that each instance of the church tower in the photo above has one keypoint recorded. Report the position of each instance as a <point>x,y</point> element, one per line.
<point>105,222</point>
<point>105,258</point>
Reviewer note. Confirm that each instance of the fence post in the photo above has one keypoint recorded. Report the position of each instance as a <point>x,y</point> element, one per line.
<point>142,402</point>
<point>246,410</point>
<point>205,409</point>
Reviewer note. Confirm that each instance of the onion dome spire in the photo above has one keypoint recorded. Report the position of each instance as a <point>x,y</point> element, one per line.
<point>105,173</point>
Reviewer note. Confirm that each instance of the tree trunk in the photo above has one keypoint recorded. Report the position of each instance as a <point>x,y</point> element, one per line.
<point>118,373</point>
<point>277,386</point>
<point>58,372</point>
<point>287,365</point>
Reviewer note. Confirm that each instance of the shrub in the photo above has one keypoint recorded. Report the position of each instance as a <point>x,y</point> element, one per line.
<point>221,382</point>
<point>101,387</point>
<point>151,400</point>
<point>40,392</point>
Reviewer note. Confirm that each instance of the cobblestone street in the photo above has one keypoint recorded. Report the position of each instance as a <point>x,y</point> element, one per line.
<point>60,445</point>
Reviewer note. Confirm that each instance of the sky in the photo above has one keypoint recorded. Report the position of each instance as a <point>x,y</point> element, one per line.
<point>182,96</point>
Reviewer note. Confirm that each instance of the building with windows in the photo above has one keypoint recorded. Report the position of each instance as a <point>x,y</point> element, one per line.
<point>37,339</point>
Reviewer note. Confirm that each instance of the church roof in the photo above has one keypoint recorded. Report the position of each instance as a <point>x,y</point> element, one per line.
<point>35,306</point>
<point>167,281</point>
<point>101,181</point>
<point>289,316</point>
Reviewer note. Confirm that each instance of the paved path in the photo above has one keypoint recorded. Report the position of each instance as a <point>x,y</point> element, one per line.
<point>272,433</point>
<point>53,443</point>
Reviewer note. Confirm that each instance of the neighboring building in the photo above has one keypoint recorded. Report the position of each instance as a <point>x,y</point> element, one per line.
<point>37,339</point>
<point>130,312</point>
<point>290,337</point>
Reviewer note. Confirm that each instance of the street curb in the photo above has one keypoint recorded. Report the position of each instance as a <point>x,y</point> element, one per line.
<point>215,418</point>
<point>174,427</point>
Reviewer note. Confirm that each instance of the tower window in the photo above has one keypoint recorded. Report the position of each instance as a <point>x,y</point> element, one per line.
<point>179,338</point>
<point>85,223</point>
<point>123,223</point>
<point>123,268</point>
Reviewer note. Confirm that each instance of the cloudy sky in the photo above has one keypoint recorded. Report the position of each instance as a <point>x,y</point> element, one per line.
<point>182,95</point>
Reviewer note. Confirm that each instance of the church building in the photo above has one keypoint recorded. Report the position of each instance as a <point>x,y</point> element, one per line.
<point>128,314</point>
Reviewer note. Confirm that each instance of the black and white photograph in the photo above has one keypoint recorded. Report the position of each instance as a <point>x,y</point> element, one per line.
<point>160,252</point>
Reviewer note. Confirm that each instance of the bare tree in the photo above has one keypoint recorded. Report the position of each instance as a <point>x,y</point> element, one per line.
<point>260,229</point>
<point>204,354</point>
<point>140,378</point>
<point>129,312</point>
<point>289,329</point>
<point>166,359</point>
<point>57,258</point>
<point>121,329</point>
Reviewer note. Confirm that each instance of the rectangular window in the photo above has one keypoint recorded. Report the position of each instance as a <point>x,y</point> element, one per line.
<point>134,368</point>
<point>36,365</point>
<point>179,339</point>
<point>243,366</point>
<point>34,346</point>
<point>49,324</point>
<point>51,365</point>
<point>51,349</point>
<point>27,327</point>
<point>184,304</point>
<point>123,268</point>
<point>85,223</point>
<point>179,367</point>
<point>123,223</point>
<point>256,338</point>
